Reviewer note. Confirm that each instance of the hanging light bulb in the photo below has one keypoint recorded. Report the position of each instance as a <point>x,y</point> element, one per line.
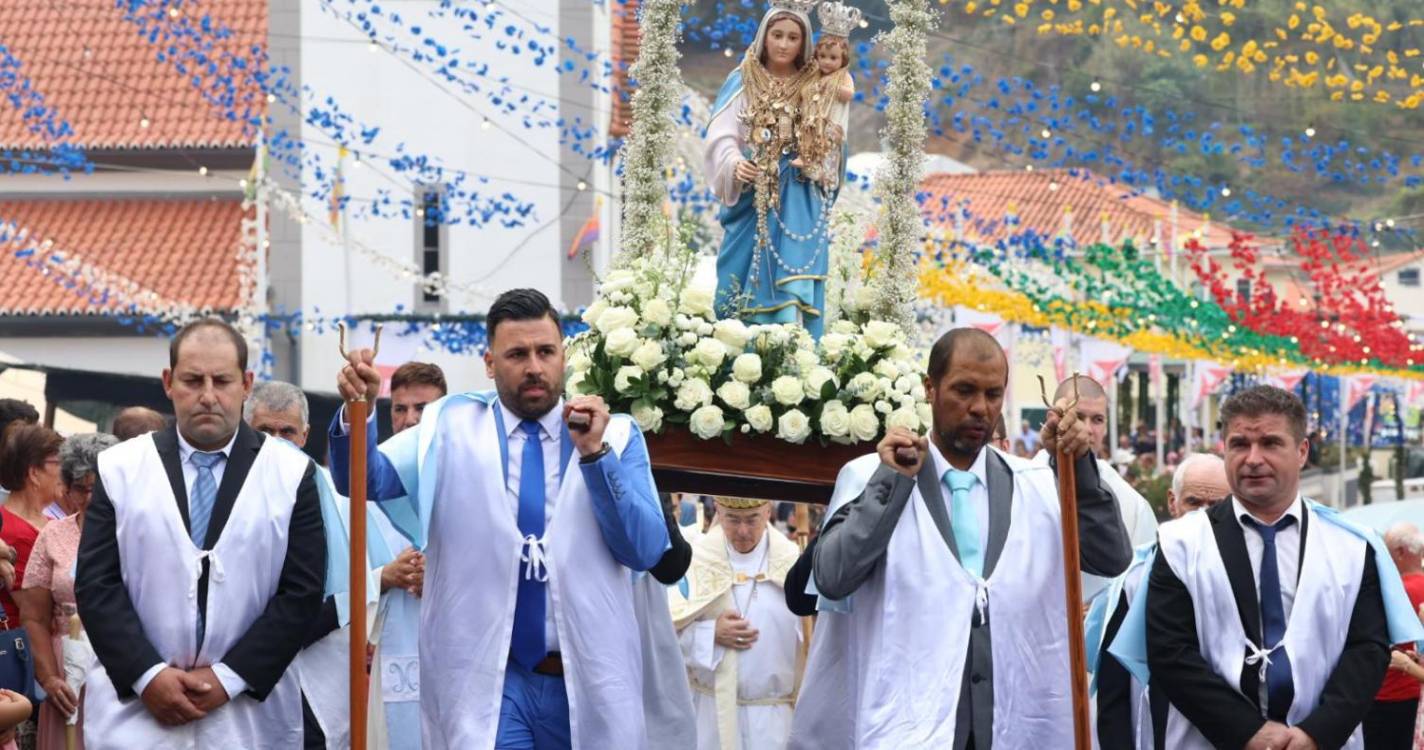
<point>1046,133</point>
<point>1225,192</point>
<point>1095,86</point>
<point>1309,131</point>
<point>485,124</point>
<point>582,185</point>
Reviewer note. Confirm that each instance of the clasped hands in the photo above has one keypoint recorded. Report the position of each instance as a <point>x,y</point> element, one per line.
<point>176,697</point>
<point>1277,736</point>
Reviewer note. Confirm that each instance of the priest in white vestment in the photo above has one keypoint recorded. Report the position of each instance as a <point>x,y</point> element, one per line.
<point>1268,620</point>
<point>532,513</point>
<point>942,619</point>
<point>201,568</point>
<point>741,643</point>
<point>1137,515</point>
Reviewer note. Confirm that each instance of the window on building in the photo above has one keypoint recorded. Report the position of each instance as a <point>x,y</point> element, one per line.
<point>430,237</point>
<point>1243,291</point>
<point>1409,277</point>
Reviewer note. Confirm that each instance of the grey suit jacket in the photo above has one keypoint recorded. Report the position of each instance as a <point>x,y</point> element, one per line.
<point>856,537</point>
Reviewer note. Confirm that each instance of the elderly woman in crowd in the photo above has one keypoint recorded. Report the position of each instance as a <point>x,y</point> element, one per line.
<point>47,593</point>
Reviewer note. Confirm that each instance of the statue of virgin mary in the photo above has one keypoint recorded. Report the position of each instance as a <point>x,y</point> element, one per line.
<point>772,265</point>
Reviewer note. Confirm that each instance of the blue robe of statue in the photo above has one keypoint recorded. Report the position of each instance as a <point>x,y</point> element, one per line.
<point>790,276</point>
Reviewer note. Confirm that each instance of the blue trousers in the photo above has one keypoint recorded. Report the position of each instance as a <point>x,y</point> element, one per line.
<point>534,714</point>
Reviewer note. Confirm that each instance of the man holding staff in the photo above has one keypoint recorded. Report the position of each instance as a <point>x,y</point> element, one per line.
<point>927,640</point>
<point>531,512</point>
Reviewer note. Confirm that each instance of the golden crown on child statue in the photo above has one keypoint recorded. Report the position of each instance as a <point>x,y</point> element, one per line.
<point>838,19</point>
<point>803,7</point>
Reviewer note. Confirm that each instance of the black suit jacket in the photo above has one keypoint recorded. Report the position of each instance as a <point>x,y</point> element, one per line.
<point>1227,715</point>
<point>262,654</point>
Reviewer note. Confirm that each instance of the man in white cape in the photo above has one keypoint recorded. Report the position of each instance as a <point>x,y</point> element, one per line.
<point>1266,620</point>
<point>941,579</point>
<point>741,642</point>
<point>200,569</point>
<point>1126,715</point>
<point>528,632</point>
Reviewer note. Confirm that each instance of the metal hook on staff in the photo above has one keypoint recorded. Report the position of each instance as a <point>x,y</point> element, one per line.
<point>375,346</point>
<point>1043,393</point>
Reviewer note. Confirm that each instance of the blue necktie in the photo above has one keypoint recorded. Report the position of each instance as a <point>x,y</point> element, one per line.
<point>200,507</point>
<point>964,520</point>
<point>1273,620</point>
<point>528,647</point>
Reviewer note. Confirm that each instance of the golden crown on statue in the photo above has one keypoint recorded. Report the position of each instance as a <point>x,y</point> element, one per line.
<point>803,7</point>
<point>838,19</point>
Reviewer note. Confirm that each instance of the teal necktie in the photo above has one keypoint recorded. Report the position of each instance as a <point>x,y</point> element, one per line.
<point>964,520</point>
<point>200,508</point>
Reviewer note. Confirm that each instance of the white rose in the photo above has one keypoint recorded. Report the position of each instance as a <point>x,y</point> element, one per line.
<point>735,394</point>
<point>747,368</point>
<point>787,390</point>
<point>709,353</point>
<point>615,318</point>
<point>887,369</point>
<point>574,385</point>
<point>648,355</point>
<point>648,416</point>
<point>733,333</point>
<point>864,297</point>
<point>617,281</point>
<point>806,359</point>
<point>580,361</point>
<point>835,420</point>
<point>623,379</point>
<point>834,344</point>
<point>621,342</point>
<point>677,376</point>
<point>887,387</point>
<point>865,386</point>
<point>618,298</point>
<point>864,424</point>
<point>590,316</point>
<point>694,392</point>
<point>903,417</point>
<point>696,301</point>
<point>684,323</point>
<point>704,329</point>
<point>687,339</point>
<point>879,333</point>
<point>817,380</point>
<point>925,414</point>
<point>793,426</point>
<point>844,328</point>
<point>657,312</point>
<point>662,376</point>
<point>759,417</point>
<point>883,407</point>
<point>707,422</point>
<point>918,392</point>
<point>905,384</point>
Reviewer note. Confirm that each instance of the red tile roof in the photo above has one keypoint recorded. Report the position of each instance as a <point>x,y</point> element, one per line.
<point>1048,201</point>
<point>163,252</point>
<point>97,73</point>
<point>626,36</point>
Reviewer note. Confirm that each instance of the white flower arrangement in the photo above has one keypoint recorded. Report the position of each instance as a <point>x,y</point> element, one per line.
<point>655,350</point>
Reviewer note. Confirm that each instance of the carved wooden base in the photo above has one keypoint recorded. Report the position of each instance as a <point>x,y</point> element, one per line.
<point>756,466</point>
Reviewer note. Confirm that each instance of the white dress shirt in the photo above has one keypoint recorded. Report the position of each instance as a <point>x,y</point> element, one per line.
<point>550,430</point>
<point>233,684</point>
<point>978,494</point>
<point>1287,551</point>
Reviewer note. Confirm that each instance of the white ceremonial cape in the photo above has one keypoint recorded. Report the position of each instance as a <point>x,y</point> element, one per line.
<point>394,716</point>
<point>887,664</point>
<point>323,669</point>
<point>161,571</point>
<point>1332,564</point>
<point>1137,517</point>
<point>667,698</point>
<point>1103,608</point>
<point>473,549</point>
<point>711,582</point>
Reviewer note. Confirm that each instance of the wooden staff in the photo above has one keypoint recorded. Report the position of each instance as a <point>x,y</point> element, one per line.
<point>357,414</point>
<point>71,731</point>
<point>803,537</point>
<point>1072,581</point>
